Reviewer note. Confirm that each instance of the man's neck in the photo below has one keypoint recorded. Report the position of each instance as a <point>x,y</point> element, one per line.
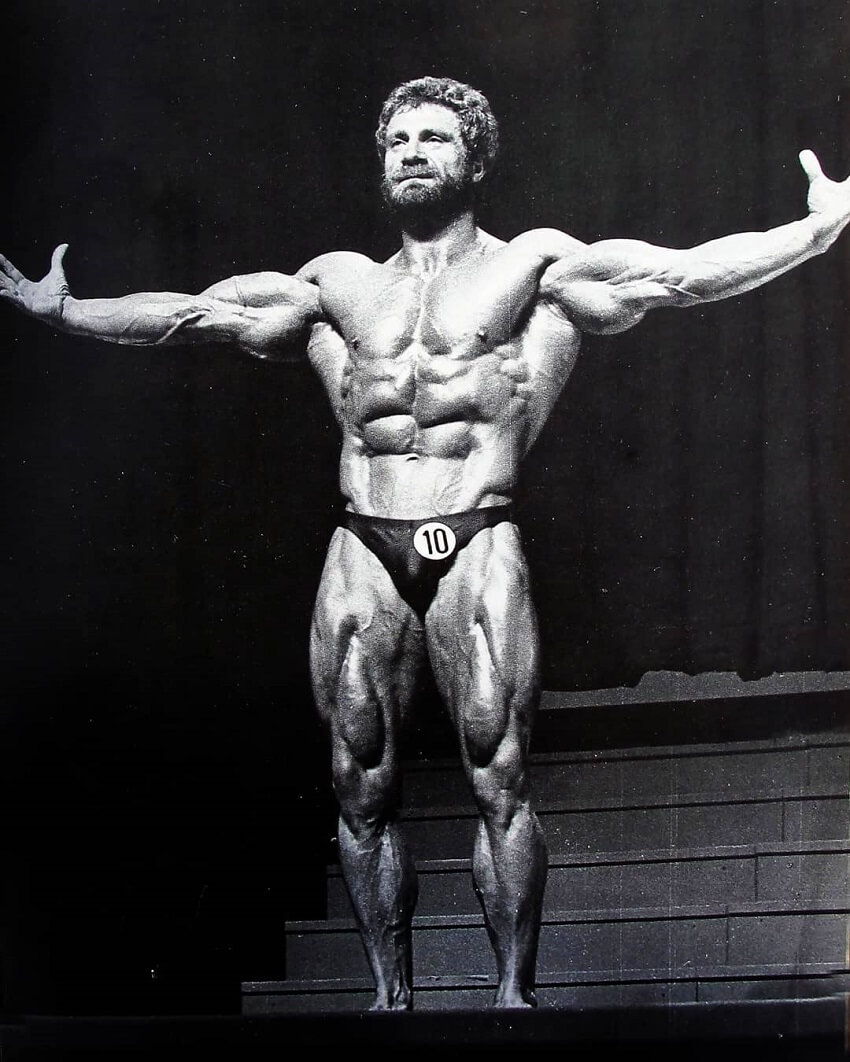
<point>426,253</point>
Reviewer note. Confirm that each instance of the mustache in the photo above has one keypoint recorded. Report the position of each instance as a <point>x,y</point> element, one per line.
<point>414,171</point>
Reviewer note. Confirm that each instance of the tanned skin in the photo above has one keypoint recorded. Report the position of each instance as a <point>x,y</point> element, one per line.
<point>441,365</point>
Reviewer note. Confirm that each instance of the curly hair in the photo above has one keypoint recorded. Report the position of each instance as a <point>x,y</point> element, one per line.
<point>478,127</point>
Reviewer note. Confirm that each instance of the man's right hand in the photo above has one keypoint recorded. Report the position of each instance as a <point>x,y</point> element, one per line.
<point>38,298</point>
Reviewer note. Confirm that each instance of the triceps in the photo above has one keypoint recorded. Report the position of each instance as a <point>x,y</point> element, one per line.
<point>593,306</point>
<point>611,287</point>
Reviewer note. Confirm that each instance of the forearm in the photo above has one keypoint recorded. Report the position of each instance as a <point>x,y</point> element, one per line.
<point>147,319</point>
<point>260,314</point>
<point>735,264</point>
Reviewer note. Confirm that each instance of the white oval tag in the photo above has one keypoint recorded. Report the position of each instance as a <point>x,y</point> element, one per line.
<point>434,541</point>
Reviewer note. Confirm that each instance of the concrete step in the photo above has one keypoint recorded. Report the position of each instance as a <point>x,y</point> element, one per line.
<point>686,874</point>
<point>579,779</point>
<point>573,990</point>
<point>665,821</point>
<point>679,876</point>
<point>636,939</point>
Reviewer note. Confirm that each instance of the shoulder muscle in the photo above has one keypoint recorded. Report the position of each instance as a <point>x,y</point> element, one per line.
<point>549,244</point>
<point>336,264</point>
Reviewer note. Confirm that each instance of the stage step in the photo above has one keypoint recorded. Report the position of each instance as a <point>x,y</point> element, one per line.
<point>791,789</point>
<point>679,874</point>
<point>631,939</point>
<point>667,820</point>
<point>574,990</point>
<point>582,779</point>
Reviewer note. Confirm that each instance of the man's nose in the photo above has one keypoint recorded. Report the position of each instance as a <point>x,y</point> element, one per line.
<point>412,152</point>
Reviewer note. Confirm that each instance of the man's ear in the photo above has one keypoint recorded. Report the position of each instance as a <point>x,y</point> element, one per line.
<point>477,171</point>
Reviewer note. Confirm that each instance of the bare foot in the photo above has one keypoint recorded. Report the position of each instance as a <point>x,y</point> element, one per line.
<point>512,997</point>
<point>383,1003</point>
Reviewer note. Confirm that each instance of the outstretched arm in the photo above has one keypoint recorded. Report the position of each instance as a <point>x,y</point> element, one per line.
<point>609,286</point>
<point>258,314</point>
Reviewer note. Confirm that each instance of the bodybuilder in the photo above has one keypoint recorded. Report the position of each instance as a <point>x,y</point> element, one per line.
<point>441,365</point>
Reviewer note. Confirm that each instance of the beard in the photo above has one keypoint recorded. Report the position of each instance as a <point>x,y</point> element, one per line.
<point>428,206</point>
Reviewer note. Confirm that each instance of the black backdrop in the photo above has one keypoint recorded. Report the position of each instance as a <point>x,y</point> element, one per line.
<point>167,512</point>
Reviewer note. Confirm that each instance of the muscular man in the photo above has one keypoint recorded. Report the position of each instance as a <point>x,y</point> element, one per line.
<point>441,365</point>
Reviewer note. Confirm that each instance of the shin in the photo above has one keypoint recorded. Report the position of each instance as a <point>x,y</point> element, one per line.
<point>509,874</point>
<point>381,881</point>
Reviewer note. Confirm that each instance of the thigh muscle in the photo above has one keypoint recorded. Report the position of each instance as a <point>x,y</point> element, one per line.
<point>483,644</point>
<point>366,649</point>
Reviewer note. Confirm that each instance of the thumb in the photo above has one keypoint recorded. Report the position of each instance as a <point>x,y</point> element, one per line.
<point>57,256</point>
<point>810,164</point>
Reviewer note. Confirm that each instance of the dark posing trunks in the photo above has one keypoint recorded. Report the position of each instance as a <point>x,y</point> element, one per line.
<point>415,575</point>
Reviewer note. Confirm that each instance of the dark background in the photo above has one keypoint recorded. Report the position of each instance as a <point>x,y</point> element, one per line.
<point>167,512</point>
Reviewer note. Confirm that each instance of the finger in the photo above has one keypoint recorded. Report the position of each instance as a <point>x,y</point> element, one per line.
<point>10,271</point>
<point>57,256</point>
<point>810,164</point>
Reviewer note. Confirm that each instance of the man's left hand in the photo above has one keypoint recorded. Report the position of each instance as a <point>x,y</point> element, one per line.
<point>828,201</point>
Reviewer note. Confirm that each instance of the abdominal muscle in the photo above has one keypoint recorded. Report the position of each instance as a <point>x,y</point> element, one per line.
<point>446,469</point>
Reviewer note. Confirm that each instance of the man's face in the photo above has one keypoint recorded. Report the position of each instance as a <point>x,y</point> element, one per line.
<point>426,164</point>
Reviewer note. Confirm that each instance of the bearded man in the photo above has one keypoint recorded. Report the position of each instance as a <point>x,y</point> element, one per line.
<point>441,365</point>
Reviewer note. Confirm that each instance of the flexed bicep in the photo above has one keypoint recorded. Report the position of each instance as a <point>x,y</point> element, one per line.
<point>267,311</point>
<point>609,286</point>
<point>260,290</point>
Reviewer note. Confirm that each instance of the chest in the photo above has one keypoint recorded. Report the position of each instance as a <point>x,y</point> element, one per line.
<point>473,344</point>
<point>460,313</point>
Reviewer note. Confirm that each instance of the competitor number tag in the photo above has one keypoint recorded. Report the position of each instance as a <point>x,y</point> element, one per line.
<point>434,541</point>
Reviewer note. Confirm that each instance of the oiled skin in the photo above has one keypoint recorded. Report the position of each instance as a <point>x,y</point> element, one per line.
<point>440,385</point>
<point>441,366</point>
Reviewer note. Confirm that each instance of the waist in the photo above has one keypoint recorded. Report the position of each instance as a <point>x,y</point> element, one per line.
<point>413,486</point>
<point>494,513</point>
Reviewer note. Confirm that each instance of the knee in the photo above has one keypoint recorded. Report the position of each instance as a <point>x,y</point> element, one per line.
<point>495,757</point>
<point>368,797</point>
<point>485,722</point>
<point>501,786</point>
